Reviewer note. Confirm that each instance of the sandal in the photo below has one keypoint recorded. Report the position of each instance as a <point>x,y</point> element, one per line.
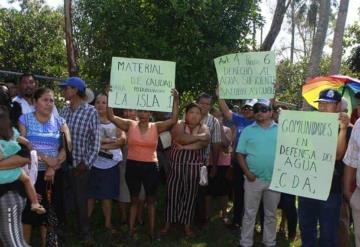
<point>38,208</point>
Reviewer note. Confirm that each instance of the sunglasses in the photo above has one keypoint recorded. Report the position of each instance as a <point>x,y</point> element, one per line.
<point>247,108</point>
<point>261,109</point>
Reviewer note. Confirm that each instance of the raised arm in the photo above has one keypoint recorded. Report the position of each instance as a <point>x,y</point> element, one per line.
<point>223,106</point>
<point>341,143</point>
<point>121,123</point>
<point>165,125</point>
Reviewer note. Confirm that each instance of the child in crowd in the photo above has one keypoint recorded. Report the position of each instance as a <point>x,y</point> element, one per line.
<point>9,145</point>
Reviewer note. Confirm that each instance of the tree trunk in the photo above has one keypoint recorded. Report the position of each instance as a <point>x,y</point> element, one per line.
<point>319,39</point>
<point>70,50</point>
<point>292,31</point>
<point>276,23</point>
<point>338,37</point>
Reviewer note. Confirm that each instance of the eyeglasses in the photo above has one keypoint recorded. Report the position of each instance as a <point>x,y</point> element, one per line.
<point>247,108</point>
<point>261,109</point>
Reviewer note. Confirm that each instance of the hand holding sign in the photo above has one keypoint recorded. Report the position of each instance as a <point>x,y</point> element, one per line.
<point>344,120</point>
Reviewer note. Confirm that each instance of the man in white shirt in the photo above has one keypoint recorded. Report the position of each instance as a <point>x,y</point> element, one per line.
<point>352,174</point>
<point>26,87</point>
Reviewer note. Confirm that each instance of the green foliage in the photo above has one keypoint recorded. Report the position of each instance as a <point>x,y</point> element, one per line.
<point>32,40</point>
<point>354,60</point>
<point>291,77</point>
<point>191,33</point>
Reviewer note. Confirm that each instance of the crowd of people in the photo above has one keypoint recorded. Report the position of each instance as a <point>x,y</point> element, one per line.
<point>57,162</point>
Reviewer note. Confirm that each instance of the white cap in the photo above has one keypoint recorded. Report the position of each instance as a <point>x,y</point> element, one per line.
<point>265,102</point>
<point>250,102</point>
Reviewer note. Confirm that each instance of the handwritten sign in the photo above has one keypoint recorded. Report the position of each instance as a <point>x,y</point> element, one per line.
<point>246,75</point>
<point>305,153</point>
<point>142,84</point>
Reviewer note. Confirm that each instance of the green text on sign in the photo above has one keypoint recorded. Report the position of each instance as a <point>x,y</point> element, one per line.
<point>246,75</point>
<point>305,153</point>
<point>142,84</point>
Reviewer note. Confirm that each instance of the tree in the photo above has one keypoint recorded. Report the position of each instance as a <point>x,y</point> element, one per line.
<point>70,50</point>
<point>191,33</point>
<point>354,60</point>
<point>319,39</point>
<point>32,39</point>
<point>338,37</point>
<point>280,10</point>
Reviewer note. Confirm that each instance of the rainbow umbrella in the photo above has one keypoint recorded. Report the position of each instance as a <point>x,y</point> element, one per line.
<point>346,85</point>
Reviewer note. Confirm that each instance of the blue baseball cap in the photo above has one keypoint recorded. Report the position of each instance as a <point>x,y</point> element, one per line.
<point>75,82</point>
<point>329,95</point>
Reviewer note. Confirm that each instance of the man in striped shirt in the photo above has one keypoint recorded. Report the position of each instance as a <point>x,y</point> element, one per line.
<point>83,122</point>
<point>213,150</point>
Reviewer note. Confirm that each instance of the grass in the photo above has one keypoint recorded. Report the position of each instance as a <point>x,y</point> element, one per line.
<point>216,234</point>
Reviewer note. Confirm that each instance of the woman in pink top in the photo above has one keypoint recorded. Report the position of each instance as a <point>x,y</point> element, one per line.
<point>219,186</point>
<point>141,165</point>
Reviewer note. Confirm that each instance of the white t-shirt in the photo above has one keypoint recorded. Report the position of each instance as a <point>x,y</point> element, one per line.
<point>108,130</point>
<point>27,108</point>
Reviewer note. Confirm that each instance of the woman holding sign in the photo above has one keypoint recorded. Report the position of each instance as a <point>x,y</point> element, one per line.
<point>141,166</point>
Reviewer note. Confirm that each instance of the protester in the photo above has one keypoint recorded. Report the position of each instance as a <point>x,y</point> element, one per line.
<point>287,202</point>
<point>124,196</point>
<point>219,185</point>
<point>327,213</point>
<point>345,217</point>
<point>355,113</point>
<point>12,203</point>
<point>212,155</point>
<point>12,195</point>
<point>187,155</point>
<point>351,175</point>
<point>256,155</point>
<point>42,128</point>
<point>104,177</point>
<point>141,165</point>
<point>83,121</point>
<point>14,108</point>
<point>239,122</point>
<point>27,85</point>
<point>13,91</point>
<point>26,88</point>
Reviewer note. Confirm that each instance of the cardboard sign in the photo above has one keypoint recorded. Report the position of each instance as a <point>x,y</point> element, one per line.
<point>142,84</point>
<point>246,75</point>
<point>305,153</point>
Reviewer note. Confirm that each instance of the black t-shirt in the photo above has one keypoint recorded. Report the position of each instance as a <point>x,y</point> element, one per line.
<point>336,184</point>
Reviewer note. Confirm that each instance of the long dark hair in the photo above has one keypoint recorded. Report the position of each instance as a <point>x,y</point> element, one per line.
<point>13,108</point>
<point>6,130</point>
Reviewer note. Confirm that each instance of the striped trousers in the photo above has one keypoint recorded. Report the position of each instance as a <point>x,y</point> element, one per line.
<point>182,190</point>
<point>11,232</point>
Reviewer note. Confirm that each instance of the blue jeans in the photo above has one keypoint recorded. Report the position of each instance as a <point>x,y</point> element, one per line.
<point>327,213</point>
